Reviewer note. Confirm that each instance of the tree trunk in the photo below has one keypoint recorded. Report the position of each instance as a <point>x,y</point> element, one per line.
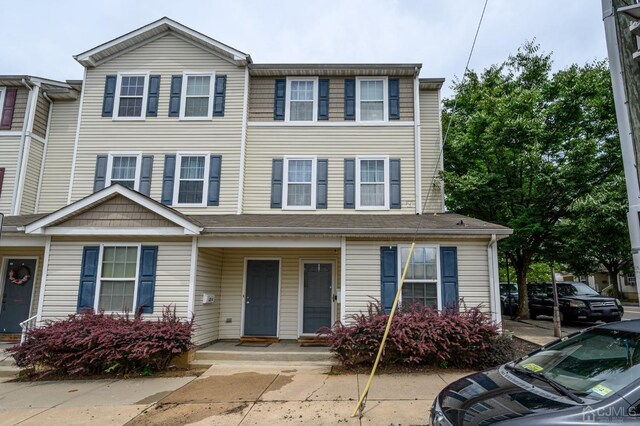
<point>522,268</point>
<point>613,279</point>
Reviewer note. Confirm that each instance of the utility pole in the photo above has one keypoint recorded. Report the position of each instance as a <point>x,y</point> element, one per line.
<point>626,94</point>
<point>557,330</point>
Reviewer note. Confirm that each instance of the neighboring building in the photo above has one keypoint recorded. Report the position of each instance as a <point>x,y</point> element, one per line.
<point>265,199</point>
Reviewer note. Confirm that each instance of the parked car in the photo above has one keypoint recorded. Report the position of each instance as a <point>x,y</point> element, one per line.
<point>509,299</point>
<point>590,377</point>
<point>577,302</point>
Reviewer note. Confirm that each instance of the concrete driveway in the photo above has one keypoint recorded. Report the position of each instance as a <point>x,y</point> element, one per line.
<point>227,394</point>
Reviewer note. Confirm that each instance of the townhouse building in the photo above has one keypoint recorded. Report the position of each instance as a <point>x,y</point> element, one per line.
<point>267,200</point>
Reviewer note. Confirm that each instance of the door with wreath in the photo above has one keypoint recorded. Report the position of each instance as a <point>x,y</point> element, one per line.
<point>17,288</point>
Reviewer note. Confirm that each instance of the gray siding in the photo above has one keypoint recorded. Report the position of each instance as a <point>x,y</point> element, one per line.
<point>9,147</point>
<point>431,163</point>
<point>162,135</point>
<point>32,176</point>
<point>41,116</point>
<point>209,281</point>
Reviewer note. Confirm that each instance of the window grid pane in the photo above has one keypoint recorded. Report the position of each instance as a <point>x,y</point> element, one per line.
<point>192,167</point>
<point>197,96</point>
<point>119,262</point>
<point>131,93</point>
<point>116,296</point>
<point>299,195</point>
<point>123,171</point>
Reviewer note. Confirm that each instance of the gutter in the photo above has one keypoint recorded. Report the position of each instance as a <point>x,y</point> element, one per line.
<point>44,151</point>
<point>356,231</point>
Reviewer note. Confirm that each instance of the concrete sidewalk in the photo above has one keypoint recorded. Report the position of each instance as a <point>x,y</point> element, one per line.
<point>538,332</point>
<point>227,394</point>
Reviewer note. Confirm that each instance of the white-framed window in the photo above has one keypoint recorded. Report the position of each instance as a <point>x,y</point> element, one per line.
<point>117,288</point>
<point>131,96</point>
<point>124,168</point>
<point>3,91</point>
<point>372,99</point>
<point>299,186</point>
<point>372,183</point>
<point>302,99</point>
<point>421,284</point>
<point>196,101</point>
<point>192,179</point>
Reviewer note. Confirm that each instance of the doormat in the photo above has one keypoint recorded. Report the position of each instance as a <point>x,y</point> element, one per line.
<point>255,344</point>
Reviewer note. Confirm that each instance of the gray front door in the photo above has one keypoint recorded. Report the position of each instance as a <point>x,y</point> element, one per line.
<point>16,294</point>
<point>261,298</point>
<point>316,312</point>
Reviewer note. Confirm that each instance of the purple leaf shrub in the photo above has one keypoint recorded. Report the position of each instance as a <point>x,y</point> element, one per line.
<point>93,343</point>
<point>418,335</point>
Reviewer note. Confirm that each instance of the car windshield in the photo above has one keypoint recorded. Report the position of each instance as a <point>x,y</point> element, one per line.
<point>576,289</point>
<point>505,289</point>
<point>594,363</point>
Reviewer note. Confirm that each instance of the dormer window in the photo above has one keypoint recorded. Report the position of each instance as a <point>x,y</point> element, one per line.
<point>302,99</point>
<point>131,95</point>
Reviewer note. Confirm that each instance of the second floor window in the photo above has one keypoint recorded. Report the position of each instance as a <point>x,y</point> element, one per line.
<point>131,95</point>
<point>372,183</point>
<point>299,186</point>
<point>197,92</point>
<point>371,99</point>
<point>302,102</point>
<point>124,169</point>
<point>191,173</point>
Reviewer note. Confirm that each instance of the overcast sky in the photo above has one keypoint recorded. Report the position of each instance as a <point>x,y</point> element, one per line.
<point>40,39</point>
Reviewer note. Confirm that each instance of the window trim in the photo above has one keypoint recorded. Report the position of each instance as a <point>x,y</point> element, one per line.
<point>287,105</point>
<point>3,91</point>
<point>205,186</point>
<point>438,280</point>
<point>111,155</point>
<point>145,94</point>
<point>385,98</point>
<point>183,94</point>
<point>285,181</point>
<point>387,182</point>
<point>96,302</point>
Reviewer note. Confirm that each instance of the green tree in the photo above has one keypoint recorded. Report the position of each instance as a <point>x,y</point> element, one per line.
<point>597,232</point>
<point>524,143</point>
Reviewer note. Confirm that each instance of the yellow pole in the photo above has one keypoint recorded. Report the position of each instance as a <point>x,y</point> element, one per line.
<point>386,332</point>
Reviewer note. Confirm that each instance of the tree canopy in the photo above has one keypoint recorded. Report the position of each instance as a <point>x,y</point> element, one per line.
<point>524,143</point>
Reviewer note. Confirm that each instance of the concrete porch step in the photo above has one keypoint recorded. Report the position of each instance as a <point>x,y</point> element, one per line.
<point>222,367</point>
<point>229,355</point>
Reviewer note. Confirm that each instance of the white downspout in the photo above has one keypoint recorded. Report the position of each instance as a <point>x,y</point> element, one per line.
<point>624,128</point>
<point>191,304</point>
<point>29,119</point>
<point>243,140</point>
<point>494,293</point>
<point>417,143</point>
<point>43,280</point>
<point>23,137</point>
<point>343,279</point>
<point>44,151</point>
<point>77,141</point>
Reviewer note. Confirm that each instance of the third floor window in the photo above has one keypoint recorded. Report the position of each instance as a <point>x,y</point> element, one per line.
<point>302,96</point>
<point>197,93</point>
<point>131,96</point>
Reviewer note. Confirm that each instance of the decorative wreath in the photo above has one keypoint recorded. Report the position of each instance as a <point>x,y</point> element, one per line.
<point>19,275</point>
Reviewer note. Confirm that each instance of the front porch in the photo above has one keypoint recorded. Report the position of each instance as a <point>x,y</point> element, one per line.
<point>283,351</point>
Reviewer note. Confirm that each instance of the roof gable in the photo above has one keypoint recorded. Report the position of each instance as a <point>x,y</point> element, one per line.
<point>156,29</point>
<point>114,208</point>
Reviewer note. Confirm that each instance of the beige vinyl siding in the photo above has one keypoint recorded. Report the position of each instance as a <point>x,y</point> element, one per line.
<point>118,212</point>
<point>20,108</point>
<point>209,281</point>
<point>65,258</point>
<point>41,116</point>
<point>262,96</point>
<point>9,147</point>
<point>332,143</point>
<point>58,157</point>
<point>363,271</point>
<point>7,253</point>
<point>430,148</point>
<point>233,275</point>
<point>157,136</point>
<point>32,176</point>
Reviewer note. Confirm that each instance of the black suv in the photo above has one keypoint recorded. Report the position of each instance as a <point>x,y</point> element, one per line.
<point>577,302</point>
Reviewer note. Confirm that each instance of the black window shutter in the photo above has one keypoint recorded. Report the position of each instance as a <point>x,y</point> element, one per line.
<point>109,95</point>
<point>449,279</point>
<point>350,99</point>
<point>394,184</point>
<point>147,279</point>
<point>219,95</point>
<point>321,184</point>
<point>349,183</point>
<point>279,99</point>
<point>88,277</point>
<point>100,176</point>
<point>6,113</point>
<point>323,99</point>
<point>388,276</point>
<point>213,198</point>
<point>276,183</point>
<point>174,96</point>
<point>152,95</point>
<point>167,180</point>
<point>146,168</point>
<point>394,99</point>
